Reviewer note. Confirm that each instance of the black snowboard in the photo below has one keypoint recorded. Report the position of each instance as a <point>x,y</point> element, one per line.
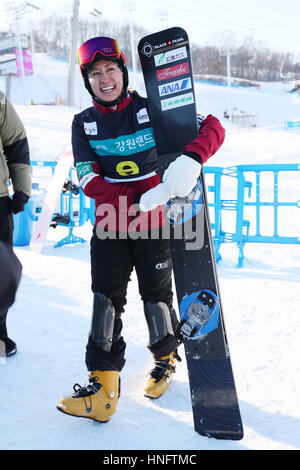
<point>167,69</point>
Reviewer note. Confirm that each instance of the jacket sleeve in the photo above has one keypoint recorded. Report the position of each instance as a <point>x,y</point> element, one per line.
<point>88,170</point>
<point>210,138</point>
<point>15,147</point>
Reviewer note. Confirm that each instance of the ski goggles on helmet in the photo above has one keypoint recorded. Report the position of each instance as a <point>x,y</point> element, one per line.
<point>107,47</point>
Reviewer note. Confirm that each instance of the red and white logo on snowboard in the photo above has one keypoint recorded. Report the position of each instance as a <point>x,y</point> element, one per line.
<point>172,72</point>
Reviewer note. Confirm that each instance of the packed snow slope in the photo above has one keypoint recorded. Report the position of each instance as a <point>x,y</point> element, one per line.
<point>50,318</point>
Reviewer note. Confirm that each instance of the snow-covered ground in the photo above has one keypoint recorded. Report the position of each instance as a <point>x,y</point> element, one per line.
<point>51,316</point>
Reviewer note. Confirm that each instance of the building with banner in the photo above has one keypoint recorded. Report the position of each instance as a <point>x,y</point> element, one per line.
<point>12,48</point>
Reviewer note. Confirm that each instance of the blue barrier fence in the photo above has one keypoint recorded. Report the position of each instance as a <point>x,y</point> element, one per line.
<point>295,124</point>
<point>248,204</point>
<point>257,189</point>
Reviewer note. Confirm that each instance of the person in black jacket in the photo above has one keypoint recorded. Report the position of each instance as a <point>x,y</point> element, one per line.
<point>116,161</point>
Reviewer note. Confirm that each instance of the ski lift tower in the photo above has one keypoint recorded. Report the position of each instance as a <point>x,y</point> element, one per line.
<point>72,59</point>
<point>227,52</point>
<point>129,7</point>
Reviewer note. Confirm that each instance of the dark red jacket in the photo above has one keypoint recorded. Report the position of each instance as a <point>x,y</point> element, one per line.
<point>114,200</point>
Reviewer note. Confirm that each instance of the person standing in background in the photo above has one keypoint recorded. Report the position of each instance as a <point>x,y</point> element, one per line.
<point>14,166</point>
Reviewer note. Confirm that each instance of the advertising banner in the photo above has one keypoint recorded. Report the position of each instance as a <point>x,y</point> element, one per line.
<point>27,62</point>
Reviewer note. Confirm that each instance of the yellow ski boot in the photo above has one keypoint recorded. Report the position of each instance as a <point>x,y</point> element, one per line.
<point>160,377</point>
<point>97,400</point>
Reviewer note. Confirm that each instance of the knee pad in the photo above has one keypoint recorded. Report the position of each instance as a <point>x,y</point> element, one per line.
<point>159,321</point>
<point>103,322</point>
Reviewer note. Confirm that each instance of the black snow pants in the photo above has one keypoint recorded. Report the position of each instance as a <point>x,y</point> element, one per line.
<point>6,235</point>
<point>112,261</point>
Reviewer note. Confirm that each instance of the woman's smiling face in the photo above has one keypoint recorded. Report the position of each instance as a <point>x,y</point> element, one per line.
<point>106,80</point>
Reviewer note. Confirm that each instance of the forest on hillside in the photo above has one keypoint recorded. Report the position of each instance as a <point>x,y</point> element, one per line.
<point>248,60</point>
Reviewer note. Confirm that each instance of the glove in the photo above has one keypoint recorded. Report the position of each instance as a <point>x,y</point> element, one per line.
<point>18,202</point>
<point>179,180</point>
<point>155,197</point>
<point>181,175</point>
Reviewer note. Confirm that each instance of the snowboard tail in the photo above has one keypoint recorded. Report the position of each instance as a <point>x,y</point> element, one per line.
<point>167,69</point>
<point>215,409</point>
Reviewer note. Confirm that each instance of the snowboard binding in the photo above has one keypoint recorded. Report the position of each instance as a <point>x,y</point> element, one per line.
<point>72,187</point>
<point>200,314</point>
<point>181,209</point>
<point>60,219</point>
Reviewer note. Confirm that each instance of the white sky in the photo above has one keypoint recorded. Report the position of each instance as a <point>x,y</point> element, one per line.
<point>274,23</point>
